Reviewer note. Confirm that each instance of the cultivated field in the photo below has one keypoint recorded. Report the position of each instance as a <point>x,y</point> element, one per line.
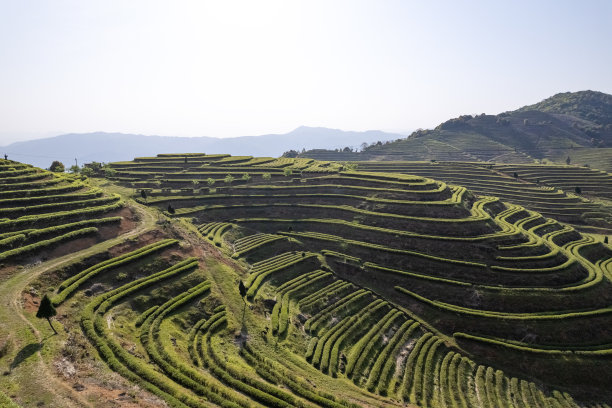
<point>373,284</point>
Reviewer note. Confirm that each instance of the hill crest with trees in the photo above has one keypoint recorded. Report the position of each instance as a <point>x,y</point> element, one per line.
<point>570,124</point>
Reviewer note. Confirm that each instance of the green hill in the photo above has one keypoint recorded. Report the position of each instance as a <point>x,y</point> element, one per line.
<point>371,287</point>
<point>566,124</point>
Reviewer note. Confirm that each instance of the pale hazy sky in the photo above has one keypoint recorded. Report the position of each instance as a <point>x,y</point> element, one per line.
<point>230,68</point>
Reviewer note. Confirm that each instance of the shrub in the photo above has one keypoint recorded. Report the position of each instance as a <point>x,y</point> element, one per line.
<point>57,167</point>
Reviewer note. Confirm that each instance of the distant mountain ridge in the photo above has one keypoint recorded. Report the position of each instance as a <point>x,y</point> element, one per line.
<point>110,147</point>
<point>567,124</point>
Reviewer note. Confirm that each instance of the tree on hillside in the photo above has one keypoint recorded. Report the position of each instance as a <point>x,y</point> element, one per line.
<point>266,176</point>
<point>74,169</point>
<point>568,160</point>
<point>242,289</point>
<point>46,311</point>
<point>578,190</point>
<point>143,194</point>
<point>210,181</point>
<point>287,172</point>
<point>246,177</point>
<point>109,172</point>
<point>171,209</point>
<point>57,167</point>
<point>606,239</point>
<point>87,171</point>
<point>95,166</point>
<point>229,179</point>
<point>515,174</point>
<point>291,153</point>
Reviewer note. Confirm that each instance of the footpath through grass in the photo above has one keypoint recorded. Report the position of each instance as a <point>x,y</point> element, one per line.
<point>30,378</point>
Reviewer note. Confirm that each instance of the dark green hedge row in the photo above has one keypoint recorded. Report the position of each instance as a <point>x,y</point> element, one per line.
<point>48,199</point>
<point>276,374</point>
<point>48,242</point>
<point>30,185</point>
<point>64,227</point>
<point>120,360</point>
<point>43,220</point>
<point>10,242</point>
<point>14,194</point>
<point>380,375</point>
<point>70,285</point>
<point>176,369</point>
<point>260,391</point>
<point>56,207</point>
<point>367,342</point>
<point>410,366</point>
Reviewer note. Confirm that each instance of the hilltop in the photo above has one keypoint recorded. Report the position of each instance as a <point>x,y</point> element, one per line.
<point>575,124</point>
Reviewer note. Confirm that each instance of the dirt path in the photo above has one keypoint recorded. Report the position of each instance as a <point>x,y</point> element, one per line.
<point>38,375</point>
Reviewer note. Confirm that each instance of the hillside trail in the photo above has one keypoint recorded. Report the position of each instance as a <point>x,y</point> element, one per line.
<point>38,376</point>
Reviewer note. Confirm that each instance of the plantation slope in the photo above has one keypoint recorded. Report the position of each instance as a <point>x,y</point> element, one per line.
<point>549,190</point>
<point>366,287</point>
<point>41,211</point>
<point>388,281</point>
<point>33,378</point>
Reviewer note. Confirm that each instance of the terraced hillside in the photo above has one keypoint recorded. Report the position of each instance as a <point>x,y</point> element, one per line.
<point>570,178</point>
<point>596,158</point>
<point>361,288</point>
<point>549,190</point>
<point>572,124</point>
<point>40,209</point>
<point>323,246</point>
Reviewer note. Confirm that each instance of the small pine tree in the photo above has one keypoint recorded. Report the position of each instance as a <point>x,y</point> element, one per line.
<point>246,177</point>
<point>46,311</point>
<point>515,174</point>
<point>210,181</point>
<point>171,209</point>
<point>266,176</point>
<point>229,179</point>
<point>143,194</point>
<point>568,160</point>
<point>578,190</point>
<point>287,172</point>
<point>242,289</point>
<point>606,239</point>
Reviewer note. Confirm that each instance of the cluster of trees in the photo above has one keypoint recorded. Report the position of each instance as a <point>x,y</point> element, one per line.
<point>89,170</point>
